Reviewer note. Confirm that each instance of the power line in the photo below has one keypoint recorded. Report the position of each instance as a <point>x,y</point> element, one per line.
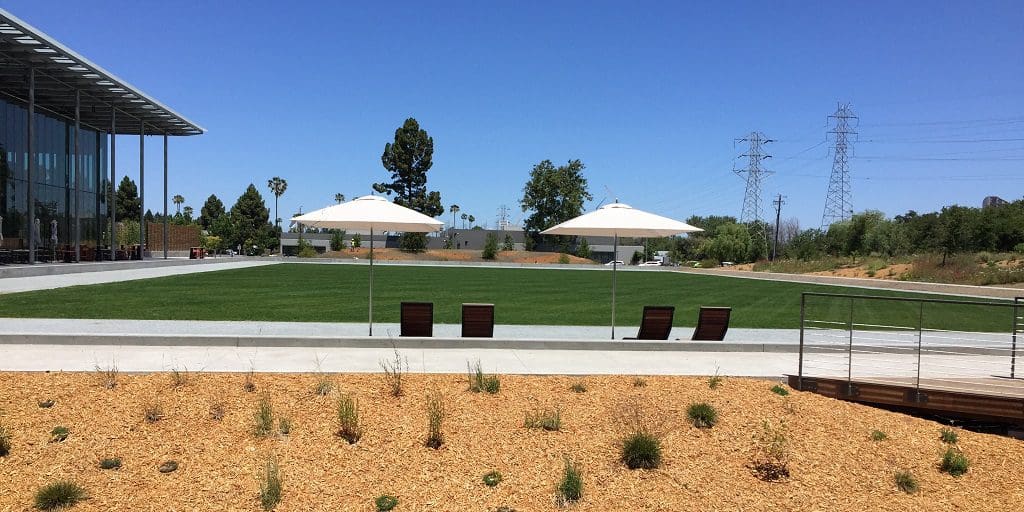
<point>838,205</point>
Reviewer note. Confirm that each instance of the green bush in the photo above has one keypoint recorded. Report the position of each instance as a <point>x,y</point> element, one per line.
<point>641,450</point>
<point>545,419</point>
<point>490,247</point>
<point>1019,248</point>
<point>385,502</point>
<point>478,382</point>
<point>270,485</point>
<point>348,419</point>
<point>62,494</point>
<point>779,390</point>
<point>263,417</point>
<point>570,488</point>
<point>702,415</point>
<point>708,263</point>
<point>954,462</point>
<point>492,478</point>
<point>508,244</point>
<point>357,240</point>
<point>59,434</point>
<point>948,435</point>
<point>878,435</point>
<point>583,249</point>
<point>906,482</point>
<point>563,258</point>
<point>413,242</point>
<point>113,463</point>
<point>337,240</point>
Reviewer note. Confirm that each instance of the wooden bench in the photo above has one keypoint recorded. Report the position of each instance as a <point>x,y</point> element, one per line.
<point>478,320</point>
<point>712,323</point>
<point>418,319</point>
<point>656,323</point>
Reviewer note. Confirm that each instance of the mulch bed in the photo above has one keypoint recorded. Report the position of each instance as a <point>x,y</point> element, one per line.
<point>834,464</point>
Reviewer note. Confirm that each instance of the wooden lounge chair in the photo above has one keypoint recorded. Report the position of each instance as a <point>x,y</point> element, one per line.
<point>478,320</point>
<point>712,323</point>
<point>656,324</point>
<point>418,319</point>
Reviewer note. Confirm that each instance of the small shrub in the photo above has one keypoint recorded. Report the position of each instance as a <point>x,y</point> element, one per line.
<point>59,434</point>
<point>179,377</point>
<point>5,441</point>
<point>113,463</point>
<point>878,435</point>
<point>578,386</point>
<point>715,380</point>
<point>263,417</point>
<point>492,478</point>
<point>479,382</point>
<point>954,462</point>
<point>435,420</point>
<point>563,258</point>
<point>771,458</point>
<point>641,450</point>
<point>46,404</point>
<point>393,373</point>
<point>108,375</point>
<point>948,435</point>
<point>490,247</point>
<point>270,485</point>
<point>570,488</point>
<point>779,390</point>
<point>702,415</point>
<point>250,385</point>
<point>62,494</point>
<point>708,263</point>
<point>284,425</point>
<point>385,502</point>
<point>545,419</point>
<point>154,412</point>
<point>323,382</point>
<point>639,382</point>
<point>348,419</point>
<point>870,273</point>
<point>906,482</point>
<point>217,410</point>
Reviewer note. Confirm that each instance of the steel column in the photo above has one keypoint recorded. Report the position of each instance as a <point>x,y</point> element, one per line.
<point>142,190</point>
<point>78,174</point>
<point>371,279</point>
<point>1016,328</point>
<point>615,259</point>
<point>849,355</point>
<point>31,203</point>
<point>113,184</point>
<point>165,196</point>
<point>800,363</point>
<point>920,340</point>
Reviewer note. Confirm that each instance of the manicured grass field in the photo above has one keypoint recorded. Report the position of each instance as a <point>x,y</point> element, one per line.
<point>338,293</point>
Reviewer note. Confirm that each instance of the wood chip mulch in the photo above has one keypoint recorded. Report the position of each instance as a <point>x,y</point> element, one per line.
<point>834,464</point>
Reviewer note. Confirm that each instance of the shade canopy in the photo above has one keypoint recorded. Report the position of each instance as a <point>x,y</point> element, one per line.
<point>370,213</point>
<point>619,219</point>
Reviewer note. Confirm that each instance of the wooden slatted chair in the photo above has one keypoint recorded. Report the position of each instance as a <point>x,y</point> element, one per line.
<point>656,324</point>
<point>712,323</point>
<point>478,320</point>
<point>418,319</point>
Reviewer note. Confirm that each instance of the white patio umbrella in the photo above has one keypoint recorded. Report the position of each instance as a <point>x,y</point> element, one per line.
<point>369,213</point>
<point>615,220</point>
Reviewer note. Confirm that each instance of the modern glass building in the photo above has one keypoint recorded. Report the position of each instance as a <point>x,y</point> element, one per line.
<point>60,117</point>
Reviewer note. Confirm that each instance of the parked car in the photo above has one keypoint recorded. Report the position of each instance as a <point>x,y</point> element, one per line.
<point>651,264</point>
<point>616,262</point>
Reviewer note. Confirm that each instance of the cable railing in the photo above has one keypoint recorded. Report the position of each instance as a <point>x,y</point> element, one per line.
<point>966,346</point>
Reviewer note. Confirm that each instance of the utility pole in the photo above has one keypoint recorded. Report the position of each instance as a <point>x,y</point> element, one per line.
<point>778,202</point>
<point>755,176</point>
<point>838,206</point>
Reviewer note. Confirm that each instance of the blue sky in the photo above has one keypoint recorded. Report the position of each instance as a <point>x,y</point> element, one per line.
<point>649,95</point>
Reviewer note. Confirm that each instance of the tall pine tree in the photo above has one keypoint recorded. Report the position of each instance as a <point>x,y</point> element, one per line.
<point>408,159</point>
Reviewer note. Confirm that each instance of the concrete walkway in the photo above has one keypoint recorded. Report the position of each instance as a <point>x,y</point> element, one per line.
<point>131,272</point>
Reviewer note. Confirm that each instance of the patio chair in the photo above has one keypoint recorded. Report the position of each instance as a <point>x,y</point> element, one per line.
<point>656,324</point>
<point>418,319</point>
<point>712,323</point>
<point>478,320</point>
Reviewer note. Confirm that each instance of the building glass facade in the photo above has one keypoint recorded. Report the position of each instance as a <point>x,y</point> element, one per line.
<point>54,179</point>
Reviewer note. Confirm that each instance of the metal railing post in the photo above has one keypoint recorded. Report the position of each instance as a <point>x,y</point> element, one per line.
<point>920,337</point>
<point>800,364</point>
<point>1017,301</point>
<point>849,354</point>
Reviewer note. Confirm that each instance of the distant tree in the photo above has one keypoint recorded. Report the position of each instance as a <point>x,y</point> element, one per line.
<point>731,242</point>
<point>177,200</point>
<point>490,247</point>
<point>187,212</point>
<point>212,210</point>
<point>553,195</point>
<point>149,216</point>
<point>508,245</point>
<point>129,206</point>
<point>583,249</point>
<point>337,240</point>
<point>453,209</point>
<point>954,230</point>
<point>251,222</point>
<point>277,186</point>
<point>408,159</point>
<point>339,198</point>
<point>464,217</point>
<point>471,220</point>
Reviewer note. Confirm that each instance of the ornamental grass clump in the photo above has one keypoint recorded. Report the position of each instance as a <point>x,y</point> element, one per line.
<point>179,378</point>
<point>702,415</point>
<point>771,452</point>
<point>5,441</point>
<point>492,479</point>
<point>544,419</point>
<point>107,375</point>
<point>640,445</point>
<point>385,502</point>
<point>435,420</point>
<point>479,382</point>
<point>111,463</point>
<point>578,387</point>
<point>394,371</point>
<point>59,434</point>
<point>270,485</point>
<point>153,412</point>
<point>570,488</point>
<point>954,462</point>
<point>878,435</point>
<point>906,482</point>
<point>639,382</point>
<point>715,380</point>
<point>263,417</point>
<point>779,390</point>
<point>349,428</point>
<point>59,495</point>
<point>948,435</point>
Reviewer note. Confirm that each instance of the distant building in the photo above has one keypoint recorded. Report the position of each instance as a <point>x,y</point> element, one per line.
<point>993,201</point>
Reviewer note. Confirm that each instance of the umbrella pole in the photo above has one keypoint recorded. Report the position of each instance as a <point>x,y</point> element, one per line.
<point>615,259</point>
<point>371,280</point>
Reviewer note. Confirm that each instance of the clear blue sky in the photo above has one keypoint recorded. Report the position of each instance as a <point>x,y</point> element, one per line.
<point>649,95</point>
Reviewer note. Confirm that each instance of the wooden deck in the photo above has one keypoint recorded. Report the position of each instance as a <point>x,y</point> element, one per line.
<point>991,399</point>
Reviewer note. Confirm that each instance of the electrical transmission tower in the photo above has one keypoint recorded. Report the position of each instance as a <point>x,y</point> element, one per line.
<point>503,213</point>
<point>755,176</point>
<point>838,205</point>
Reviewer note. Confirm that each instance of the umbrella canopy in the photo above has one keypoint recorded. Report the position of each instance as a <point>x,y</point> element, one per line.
<point>615,220</point>
<point>370,213</point>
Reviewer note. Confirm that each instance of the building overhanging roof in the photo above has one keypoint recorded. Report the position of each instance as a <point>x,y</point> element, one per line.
<point>60,72</point>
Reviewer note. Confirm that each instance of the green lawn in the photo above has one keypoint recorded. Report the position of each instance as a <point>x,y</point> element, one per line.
<point>338,293</point>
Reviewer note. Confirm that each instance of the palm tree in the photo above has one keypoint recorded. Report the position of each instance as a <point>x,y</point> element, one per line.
<point>188,213</point>
<point>277,186</point>
<point>464,217</point>
<point>339,198</point>
<point>471,220</point>
<point>454,209</point>
<point>178,199</point>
